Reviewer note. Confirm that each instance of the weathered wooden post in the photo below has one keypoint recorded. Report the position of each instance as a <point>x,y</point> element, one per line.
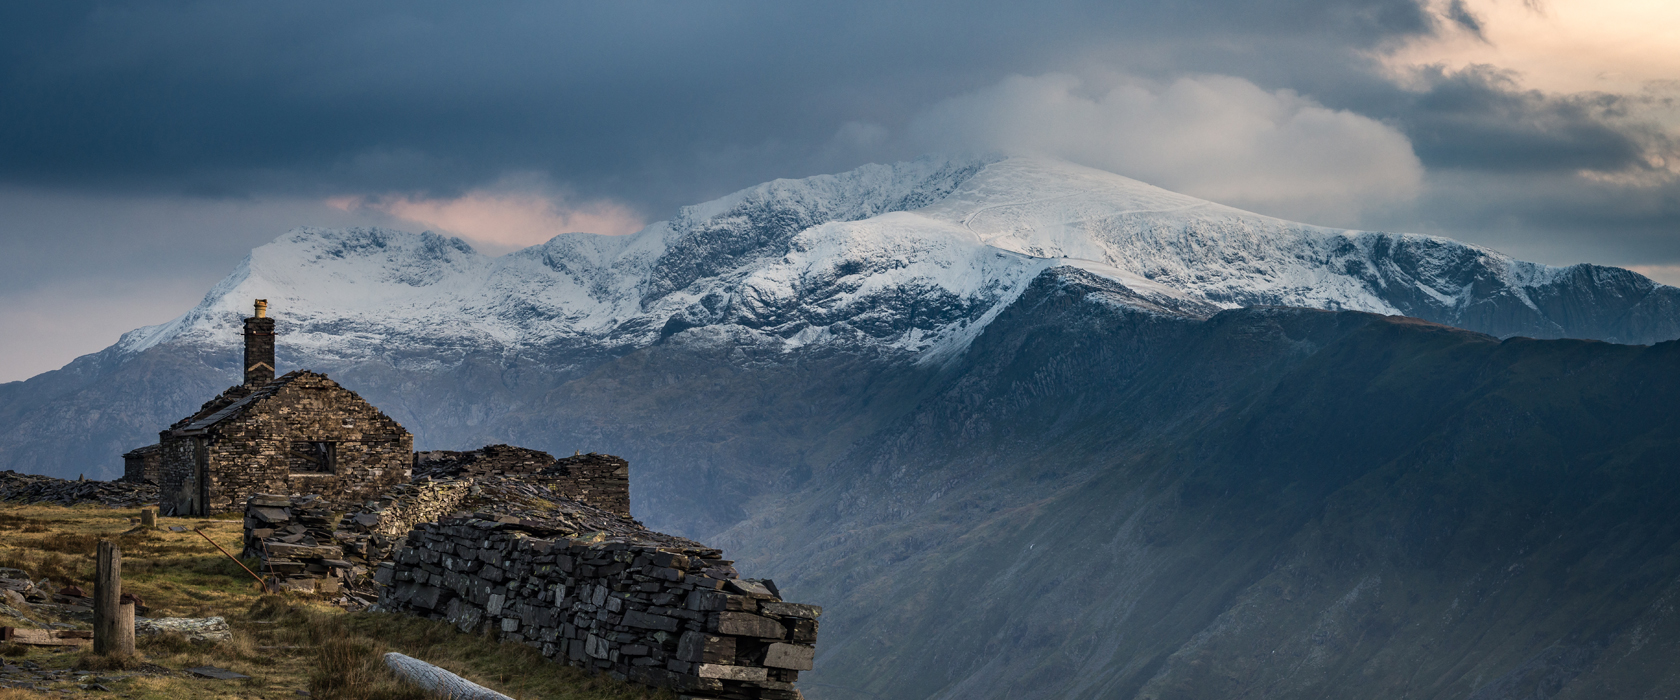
<point>148,518</point>
<point>111,636</point>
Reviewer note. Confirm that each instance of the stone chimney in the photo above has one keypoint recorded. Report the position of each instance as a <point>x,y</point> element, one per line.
<point>259,347</point>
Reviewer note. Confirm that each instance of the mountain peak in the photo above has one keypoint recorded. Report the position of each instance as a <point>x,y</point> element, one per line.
<point>913,257</point>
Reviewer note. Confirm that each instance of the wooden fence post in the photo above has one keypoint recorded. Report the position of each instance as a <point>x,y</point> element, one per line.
<point>109,637</point>
<point>125,628</point>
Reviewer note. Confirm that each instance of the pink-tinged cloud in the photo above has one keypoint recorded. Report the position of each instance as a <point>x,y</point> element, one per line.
<point>499,222</point>
<point>1666,274</point>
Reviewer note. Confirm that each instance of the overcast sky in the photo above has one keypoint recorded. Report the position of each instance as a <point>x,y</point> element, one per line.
<point>146,147</point>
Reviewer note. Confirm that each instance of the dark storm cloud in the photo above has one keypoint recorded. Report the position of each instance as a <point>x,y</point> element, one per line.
<point>1461,15</point>
<point>1479,119</point>
<point>634,100</point>
<point>144,147</point>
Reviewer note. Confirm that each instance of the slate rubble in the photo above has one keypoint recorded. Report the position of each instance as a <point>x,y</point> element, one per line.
<point>35,488</point>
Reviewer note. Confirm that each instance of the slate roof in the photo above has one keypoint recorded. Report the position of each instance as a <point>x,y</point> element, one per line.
<point>219,409</point>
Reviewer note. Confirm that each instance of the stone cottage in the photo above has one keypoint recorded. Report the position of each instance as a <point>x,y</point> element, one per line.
<point>141,464</point>
<point>299,433</point>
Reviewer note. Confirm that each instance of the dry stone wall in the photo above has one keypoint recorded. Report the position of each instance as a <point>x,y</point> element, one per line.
<point>303,546</point>
<point>397,511</point>
<point>650,608</point>
<point>600,480</point>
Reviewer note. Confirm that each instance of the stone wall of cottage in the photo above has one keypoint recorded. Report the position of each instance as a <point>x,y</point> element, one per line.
<point>177,474</point>
<point>255,451</point>
<point>653,612</point>
<point>143,465</point>
<point>405,506</point>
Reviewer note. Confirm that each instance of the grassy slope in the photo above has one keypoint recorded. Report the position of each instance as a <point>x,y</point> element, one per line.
<point>286,644</point>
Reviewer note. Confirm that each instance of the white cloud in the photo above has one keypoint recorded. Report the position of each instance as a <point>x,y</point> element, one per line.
<point>1216,137</point>
<point>1559,45</point>
<point>515,214</point>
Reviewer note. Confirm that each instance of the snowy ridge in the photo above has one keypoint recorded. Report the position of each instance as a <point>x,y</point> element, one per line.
<point>914,257</point>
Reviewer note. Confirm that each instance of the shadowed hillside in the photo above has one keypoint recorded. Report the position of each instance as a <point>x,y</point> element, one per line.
<point>1274,503</point>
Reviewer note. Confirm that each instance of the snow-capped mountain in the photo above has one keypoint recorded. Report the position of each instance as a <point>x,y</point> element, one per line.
<point>915,257</point>
<point>904,264</point>
<point>992,415</point>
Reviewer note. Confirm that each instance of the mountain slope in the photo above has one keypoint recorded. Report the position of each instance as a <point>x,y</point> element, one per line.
<point>1273,503</point>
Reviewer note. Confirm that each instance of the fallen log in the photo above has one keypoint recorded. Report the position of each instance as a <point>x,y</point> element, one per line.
<point>46,638</point>
<point>438,682</point>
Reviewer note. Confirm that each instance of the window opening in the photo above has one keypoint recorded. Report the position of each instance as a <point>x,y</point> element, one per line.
<point>309,457</point>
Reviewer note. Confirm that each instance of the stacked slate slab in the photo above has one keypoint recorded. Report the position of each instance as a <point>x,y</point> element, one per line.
<point>643,606</point>
<point>294,539</point>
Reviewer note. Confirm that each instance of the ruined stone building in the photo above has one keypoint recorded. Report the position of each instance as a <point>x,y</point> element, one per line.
<point>142,464</point>
<point>602,481</point>
<point>299,433</point>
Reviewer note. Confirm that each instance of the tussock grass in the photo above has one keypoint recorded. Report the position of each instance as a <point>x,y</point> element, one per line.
<point>288,644</point>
